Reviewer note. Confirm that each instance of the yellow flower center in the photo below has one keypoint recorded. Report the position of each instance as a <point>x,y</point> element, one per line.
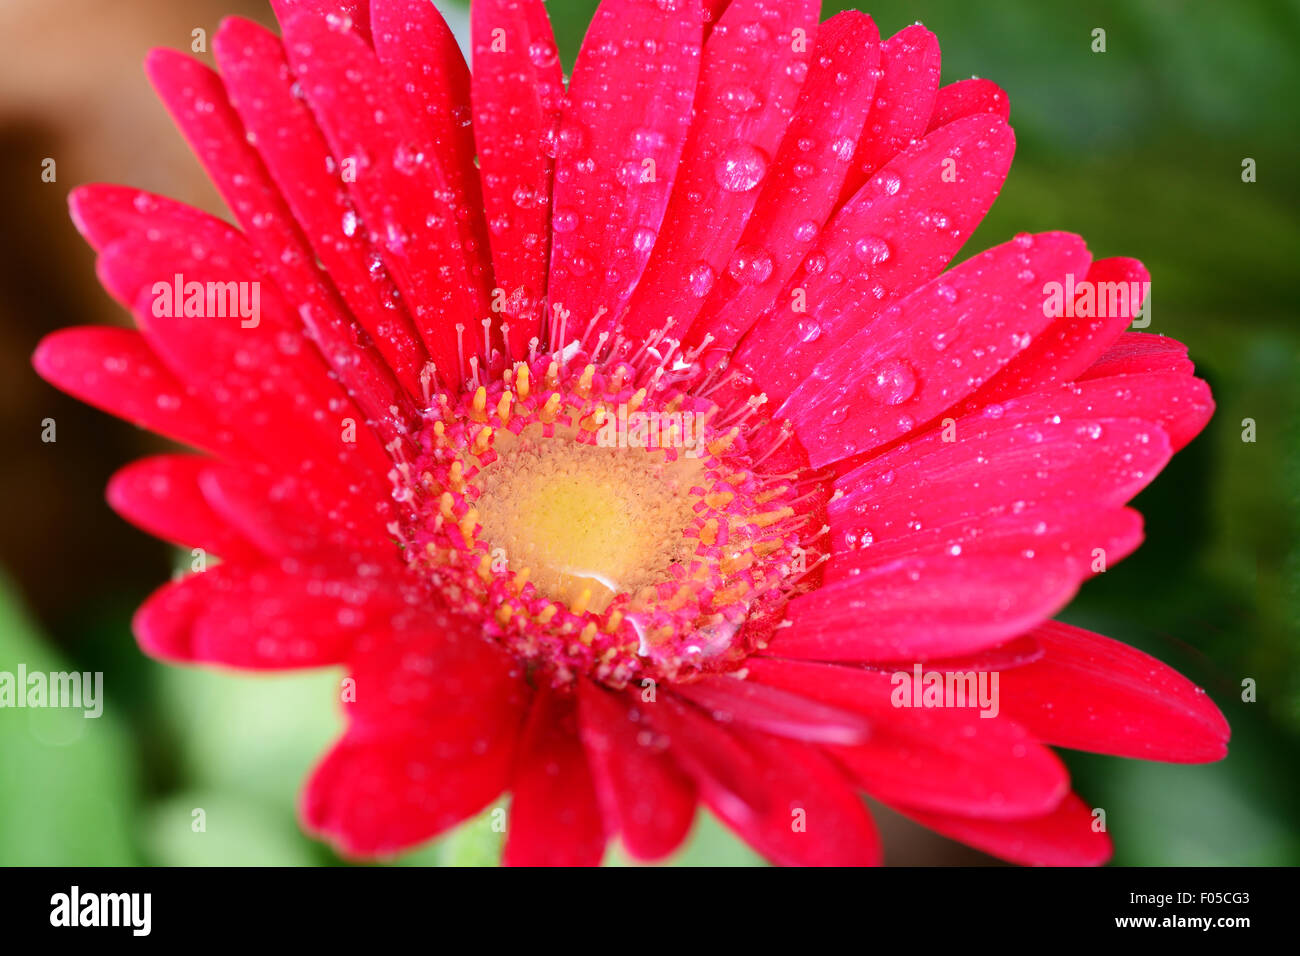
<point>588,522</point>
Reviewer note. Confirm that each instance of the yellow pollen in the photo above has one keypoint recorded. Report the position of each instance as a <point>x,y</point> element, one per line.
<point>590,522</point>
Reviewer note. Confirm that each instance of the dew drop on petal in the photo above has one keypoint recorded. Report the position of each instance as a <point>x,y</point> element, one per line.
<point>700,280</point>
<point>643,239</point>
<point>738,98</point>
<point>889,182</point>
<point>871,250</point>
<point>741,167</point>
<point>542,54</point>
<point>750,265</point>
<point>892,382</point>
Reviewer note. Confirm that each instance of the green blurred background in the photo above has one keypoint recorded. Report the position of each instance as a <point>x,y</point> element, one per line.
<point>1139,148</point>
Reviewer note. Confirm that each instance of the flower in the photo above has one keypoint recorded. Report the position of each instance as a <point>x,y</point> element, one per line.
<point>628,445</point>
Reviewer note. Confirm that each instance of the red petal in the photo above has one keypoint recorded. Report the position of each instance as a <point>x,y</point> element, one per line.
<point>948,760</point>
<point>414,42</point>
<point>726,773</point>
<point>355,13</point>
<point>1022,460</point>
<point>431,670</point>
<point>374,796</point>
<point>197,100</point>
<point>517,86</point>
<point>260,382</point>
<point>432,737</point>
<point>1070,343</point>
<point>554,818</point>
<point>260,85</point>
<point>1138,352</point>
<point>1179,404</point>
<point>1076,530</point>
<point>104,213</point>
<point>1089,692</point>
<point>1064,837</point>
<point>114,369</point>
<point>897,232</point>
<point>751,73</point>
<point>946,602</point>
<point>966,98</point>
<point>802,185</point>
<point>261,618</point>
<point>643,794</point>
<point>162,496</point>
<point>621,137</point>
<point>401,188</point>
<point>768,709</point>
<point>903,104</point>
<point>814,816</point>
<point>899,369</point>
<point>284,516</point>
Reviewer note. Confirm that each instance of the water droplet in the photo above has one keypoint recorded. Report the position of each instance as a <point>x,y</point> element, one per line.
<point>871,249</point>
<point>741,167</point>
<point>407,159</point>
<point>541,54</point>
<point>738,98</point>
<point>643,239</point>
<point>808,329</point>
<point>633,173</point>
<point>806,231</point>
<point>565,220</point>
<point>349,223</point>
<point>572,137</point>
<point>859,539</point>
<point>701,280</point>
<point>646,141</point>
<point>524,196</point>
<point>892,382</point>
<point>750,265</point>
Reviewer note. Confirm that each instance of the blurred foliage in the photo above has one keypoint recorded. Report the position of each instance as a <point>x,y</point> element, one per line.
<point>1139,149</point>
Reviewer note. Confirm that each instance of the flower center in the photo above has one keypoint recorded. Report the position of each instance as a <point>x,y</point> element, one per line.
<point>589,522</point>
<point>601,524</point>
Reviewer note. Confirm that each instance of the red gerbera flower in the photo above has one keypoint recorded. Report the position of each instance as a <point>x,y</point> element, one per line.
<point>625,442</point>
